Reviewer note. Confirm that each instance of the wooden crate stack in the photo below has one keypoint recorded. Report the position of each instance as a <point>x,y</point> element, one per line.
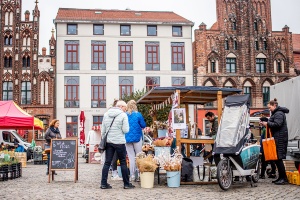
<point>289,165</point>
<point>22,158</point>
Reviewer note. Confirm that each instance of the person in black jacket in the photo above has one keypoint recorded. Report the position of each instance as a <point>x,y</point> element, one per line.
<point>51,133</point>
<point>278,126</point>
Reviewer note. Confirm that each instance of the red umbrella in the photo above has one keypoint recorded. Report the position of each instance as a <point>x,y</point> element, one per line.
<point>82,120</point>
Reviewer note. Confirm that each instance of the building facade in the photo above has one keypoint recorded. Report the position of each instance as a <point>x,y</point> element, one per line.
<point>296,52</point>
<point>21,78</point>
<point>105,54</point>
<point>240,50</point>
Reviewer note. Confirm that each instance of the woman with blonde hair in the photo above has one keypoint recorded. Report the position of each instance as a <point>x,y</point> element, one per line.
<point>134,140</point>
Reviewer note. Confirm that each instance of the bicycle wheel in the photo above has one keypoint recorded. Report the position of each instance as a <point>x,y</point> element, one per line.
<point>255,176</point>
<point>224,174</point>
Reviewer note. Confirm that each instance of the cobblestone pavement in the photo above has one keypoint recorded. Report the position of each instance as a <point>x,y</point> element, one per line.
<point>34,185</point>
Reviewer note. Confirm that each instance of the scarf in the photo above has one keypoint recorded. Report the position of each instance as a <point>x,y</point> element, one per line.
<point>54,130</point>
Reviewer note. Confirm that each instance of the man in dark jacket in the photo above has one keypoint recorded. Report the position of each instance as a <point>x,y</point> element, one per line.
<point>278,126</point>
<point>213,133</point>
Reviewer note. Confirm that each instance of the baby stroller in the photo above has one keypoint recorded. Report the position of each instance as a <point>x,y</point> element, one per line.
<point>240,157</point>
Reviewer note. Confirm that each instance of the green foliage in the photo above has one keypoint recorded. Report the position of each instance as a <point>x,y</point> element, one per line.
<point>161,115</point>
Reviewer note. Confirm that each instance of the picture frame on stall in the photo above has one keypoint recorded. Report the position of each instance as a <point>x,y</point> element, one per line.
<point>179,118</point>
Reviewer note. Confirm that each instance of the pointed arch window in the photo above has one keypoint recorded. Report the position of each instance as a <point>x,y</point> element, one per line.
<point>7,90</point>
<point>248,90</point>
<point>26,62</point>
<point>234,25</point>
<point>8,40</point>
<point>260,65</point>
<point>255,26</point>
<point>226,45</point>
<point>235,45</point>
<point>266,93</point>
<point>8,62</point>
<point>26,93</point>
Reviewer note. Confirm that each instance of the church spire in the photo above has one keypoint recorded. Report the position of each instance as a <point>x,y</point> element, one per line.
<point>36,12</point>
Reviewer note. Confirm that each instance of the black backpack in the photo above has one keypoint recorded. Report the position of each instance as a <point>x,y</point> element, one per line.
<point>187,170</point>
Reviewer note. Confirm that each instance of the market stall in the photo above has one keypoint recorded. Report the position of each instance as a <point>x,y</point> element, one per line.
<point>183,96</point>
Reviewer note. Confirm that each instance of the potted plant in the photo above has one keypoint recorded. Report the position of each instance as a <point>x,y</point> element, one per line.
<point>161,128</point>
<point>147,166</point>
<point>172,164</point>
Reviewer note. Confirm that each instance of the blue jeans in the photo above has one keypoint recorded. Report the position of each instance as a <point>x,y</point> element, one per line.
<point>109,154</point>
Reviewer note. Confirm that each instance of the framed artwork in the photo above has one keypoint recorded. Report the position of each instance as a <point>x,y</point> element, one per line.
<point>179,118</point>
<point>93,157</point>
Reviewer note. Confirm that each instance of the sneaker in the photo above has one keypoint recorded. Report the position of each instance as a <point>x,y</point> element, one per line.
<point>132,178</point>
<point>106,186</point>
<point>116,178</point>
<point>130,186</point>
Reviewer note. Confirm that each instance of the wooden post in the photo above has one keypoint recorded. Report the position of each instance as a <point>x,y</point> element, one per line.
<point>189,132</point>
<point>178,136</point>
<point>219,100</point>
<point>155,133</point>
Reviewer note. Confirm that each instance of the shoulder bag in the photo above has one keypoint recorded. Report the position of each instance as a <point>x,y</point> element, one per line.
<point>102,145</point>
<point>269,146</point>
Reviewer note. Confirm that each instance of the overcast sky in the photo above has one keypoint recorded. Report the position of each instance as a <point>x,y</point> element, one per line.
<point>284,12</point>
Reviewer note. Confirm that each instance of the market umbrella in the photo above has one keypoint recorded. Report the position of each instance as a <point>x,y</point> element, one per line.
<point>82,134</point>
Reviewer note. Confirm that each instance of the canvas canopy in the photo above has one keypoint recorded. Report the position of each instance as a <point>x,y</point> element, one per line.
<point>14,117</point>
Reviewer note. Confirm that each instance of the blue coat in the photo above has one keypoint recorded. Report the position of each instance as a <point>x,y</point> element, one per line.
<point>136,124</point>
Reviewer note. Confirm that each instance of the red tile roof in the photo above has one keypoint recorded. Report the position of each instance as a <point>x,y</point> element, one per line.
<point>296,42</point>
<point>117,16</point>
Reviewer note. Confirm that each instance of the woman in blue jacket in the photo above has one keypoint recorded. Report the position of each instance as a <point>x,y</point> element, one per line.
<point>134,138</point>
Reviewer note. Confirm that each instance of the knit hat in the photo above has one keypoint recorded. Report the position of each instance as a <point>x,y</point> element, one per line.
<point>264,119</point>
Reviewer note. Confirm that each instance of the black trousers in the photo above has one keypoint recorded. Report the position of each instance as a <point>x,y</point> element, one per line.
<point>114,162</point>
<point>281,169</point>
<point>264,165</point>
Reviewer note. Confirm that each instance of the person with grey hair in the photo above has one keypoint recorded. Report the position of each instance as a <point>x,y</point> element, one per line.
<point>134,137</point>
<point>115,125</point>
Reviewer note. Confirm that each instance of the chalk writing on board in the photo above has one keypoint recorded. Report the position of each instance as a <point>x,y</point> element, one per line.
<point>63,154</point>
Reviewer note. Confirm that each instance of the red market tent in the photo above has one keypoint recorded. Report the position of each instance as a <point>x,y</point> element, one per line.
<point>14,117</point>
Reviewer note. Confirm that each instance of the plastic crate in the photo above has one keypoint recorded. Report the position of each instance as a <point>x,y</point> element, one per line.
<point>37,156</point>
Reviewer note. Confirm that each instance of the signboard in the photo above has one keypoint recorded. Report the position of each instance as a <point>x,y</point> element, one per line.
<point>63,156</point>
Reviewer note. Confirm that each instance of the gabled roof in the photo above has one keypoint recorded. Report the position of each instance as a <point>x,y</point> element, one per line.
<point>119,16</point>
<point>296,42</point>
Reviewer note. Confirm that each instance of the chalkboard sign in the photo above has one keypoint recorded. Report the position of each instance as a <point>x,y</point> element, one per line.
<point>63,154</point>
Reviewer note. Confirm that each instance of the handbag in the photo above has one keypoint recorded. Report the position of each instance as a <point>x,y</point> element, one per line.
<point>269,146</point>
<point>102,145</point>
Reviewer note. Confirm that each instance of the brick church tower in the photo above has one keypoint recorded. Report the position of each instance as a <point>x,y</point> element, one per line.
<point>240,50</point>
<point>21,79</point>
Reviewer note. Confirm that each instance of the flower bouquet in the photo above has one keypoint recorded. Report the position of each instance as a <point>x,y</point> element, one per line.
<point>145,163</point>
<point>170,162</point>
<point>147,166</point>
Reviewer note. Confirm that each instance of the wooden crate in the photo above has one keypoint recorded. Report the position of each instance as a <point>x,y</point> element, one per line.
<point>289,165</point>
<point>23,163</point>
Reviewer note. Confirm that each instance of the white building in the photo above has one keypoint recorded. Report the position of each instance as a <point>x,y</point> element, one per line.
<point>103,54</point>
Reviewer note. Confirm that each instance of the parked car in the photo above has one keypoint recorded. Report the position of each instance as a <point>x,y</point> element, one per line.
<point>9,137</point>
